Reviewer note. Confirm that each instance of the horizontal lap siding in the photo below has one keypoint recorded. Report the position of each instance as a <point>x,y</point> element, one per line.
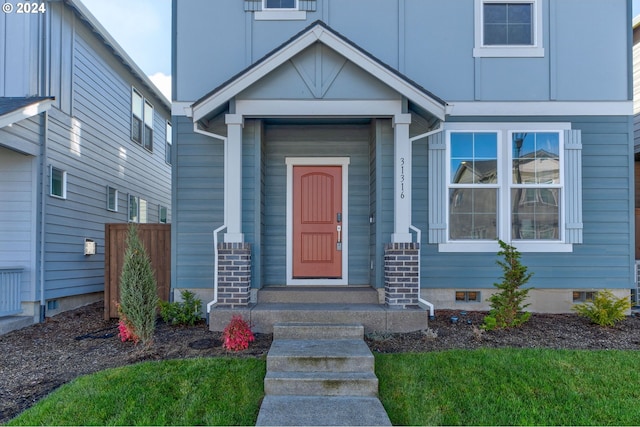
<point>95,149</point>
<point>316,141</point>
<point>604,260</point>
<point>198,207</point>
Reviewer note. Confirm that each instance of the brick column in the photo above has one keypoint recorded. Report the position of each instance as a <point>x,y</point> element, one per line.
<point>401,274</point>
<point>234,274</point>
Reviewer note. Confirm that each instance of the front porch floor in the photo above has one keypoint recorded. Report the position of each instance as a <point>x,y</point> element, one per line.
<point>374,317</point>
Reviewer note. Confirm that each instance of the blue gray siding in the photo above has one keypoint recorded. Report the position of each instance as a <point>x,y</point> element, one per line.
<point>430,41</point>
<point>198,197</point>
<point>85,133</point>
<point>316,141</point>
<point>605,258</point>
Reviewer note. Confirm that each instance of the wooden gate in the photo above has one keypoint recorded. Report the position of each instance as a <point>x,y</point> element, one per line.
<point>156,239</point>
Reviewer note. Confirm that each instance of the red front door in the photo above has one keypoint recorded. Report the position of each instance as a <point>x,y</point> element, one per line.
<point>317,222</point>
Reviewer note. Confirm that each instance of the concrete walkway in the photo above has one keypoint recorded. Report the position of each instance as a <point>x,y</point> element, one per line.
<point>319,375</point>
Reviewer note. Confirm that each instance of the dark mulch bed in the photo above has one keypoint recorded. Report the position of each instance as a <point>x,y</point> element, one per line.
<point>38,359</point>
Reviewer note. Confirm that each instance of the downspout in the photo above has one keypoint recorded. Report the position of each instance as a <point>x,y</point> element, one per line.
<point>43,204</point>
<point>418,232</point>
<point>219,229</point>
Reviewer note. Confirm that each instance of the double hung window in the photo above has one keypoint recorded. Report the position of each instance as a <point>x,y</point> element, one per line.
<point>141,120</point>
<point>510,182</point>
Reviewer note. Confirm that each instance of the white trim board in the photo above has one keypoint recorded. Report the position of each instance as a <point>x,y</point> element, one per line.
<point>318,161</point>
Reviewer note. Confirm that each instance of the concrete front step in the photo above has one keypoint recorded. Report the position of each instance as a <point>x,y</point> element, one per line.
<point>318,294</point>
<point>322,411</point>
<point>320,356</point>
<point>318,331</point>
<point>321,383</point>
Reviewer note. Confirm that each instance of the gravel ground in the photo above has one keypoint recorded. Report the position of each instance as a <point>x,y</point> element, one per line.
<point>36,360</point>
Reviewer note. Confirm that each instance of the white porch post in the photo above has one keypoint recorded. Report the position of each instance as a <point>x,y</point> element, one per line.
<point>233,179</point>
<point>402,179</point>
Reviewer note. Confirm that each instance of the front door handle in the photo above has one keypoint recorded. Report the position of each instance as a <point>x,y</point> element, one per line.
<point>339,229</point>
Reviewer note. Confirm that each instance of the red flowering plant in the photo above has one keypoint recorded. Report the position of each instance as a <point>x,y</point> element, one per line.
<point>126,331</point>
<point>237,334</point>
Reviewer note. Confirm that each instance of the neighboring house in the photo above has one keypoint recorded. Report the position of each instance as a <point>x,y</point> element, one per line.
<point>323,138</point>
<point>83,142</point>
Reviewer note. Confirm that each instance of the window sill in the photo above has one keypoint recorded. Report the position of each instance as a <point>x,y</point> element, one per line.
<point>494,247</point>
<point>280,15</point>
<point>508,52</point>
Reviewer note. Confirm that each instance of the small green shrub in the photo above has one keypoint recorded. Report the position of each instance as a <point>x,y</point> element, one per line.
<point>605,309</point>
<point>138,289</point>
<point>507,306</point>
<point>185,312</point>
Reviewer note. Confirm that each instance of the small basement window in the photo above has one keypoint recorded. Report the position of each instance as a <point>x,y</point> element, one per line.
<point>468,296</point>
<point>583,296</point>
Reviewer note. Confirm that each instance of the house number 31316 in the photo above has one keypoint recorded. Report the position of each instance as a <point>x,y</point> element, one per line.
<point>402,177</point>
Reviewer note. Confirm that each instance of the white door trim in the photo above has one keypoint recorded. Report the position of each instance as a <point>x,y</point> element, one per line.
<point>318,161</point>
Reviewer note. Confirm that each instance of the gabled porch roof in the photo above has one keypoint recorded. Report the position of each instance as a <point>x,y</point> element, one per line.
<point>213,102</point>
<point>13,110</point>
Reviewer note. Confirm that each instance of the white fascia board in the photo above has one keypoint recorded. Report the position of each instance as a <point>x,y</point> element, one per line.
<point>383,74</point>
<point>25,112</point>
<point>318,108</point>
<point>181,108</point>
<point>253,75</point>
<point>318,33</point>
<point>541,108</point>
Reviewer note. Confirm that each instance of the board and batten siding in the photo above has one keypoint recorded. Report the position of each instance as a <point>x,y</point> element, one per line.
<point>604,260</point>
<point>283,141</point>
<point>579,64</point>
<point>198,201</point>
<point>95,149</point>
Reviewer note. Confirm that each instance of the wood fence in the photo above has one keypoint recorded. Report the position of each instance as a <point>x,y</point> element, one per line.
<point>156,239</point>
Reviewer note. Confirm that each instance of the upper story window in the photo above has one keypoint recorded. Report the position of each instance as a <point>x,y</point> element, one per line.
<point>280,10</point>
<point>141,120</point>
<point>279,4</point>
<point>508,28</point>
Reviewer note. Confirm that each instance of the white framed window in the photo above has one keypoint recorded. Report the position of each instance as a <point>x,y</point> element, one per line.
<point>517,182</point>
<point>280,10</point>
<point>141,120</point>
<point>57,182</point>
<point>511,28</point>
<point>112,199</point>
<point>134,208</point>
<point>168,143</point>
<point>280,4</point>
<point>162,214</point>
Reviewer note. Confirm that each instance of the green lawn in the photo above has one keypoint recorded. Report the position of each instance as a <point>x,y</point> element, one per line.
<point>511,387</point>
<point>460,387</point>
<point>216,391</point>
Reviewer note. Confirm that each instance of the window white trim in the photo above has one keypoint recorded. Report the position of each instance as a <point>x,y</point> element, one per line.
<point>163,214</point>
<point>504,130</point>
<point>136,215</point>
<point>63,179</point>
<point>146,118</point>
<point>482,51</point>
<point>113,208</point>
<point>280,14</point>
<point>324,161</point>
<point>168,139</point>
